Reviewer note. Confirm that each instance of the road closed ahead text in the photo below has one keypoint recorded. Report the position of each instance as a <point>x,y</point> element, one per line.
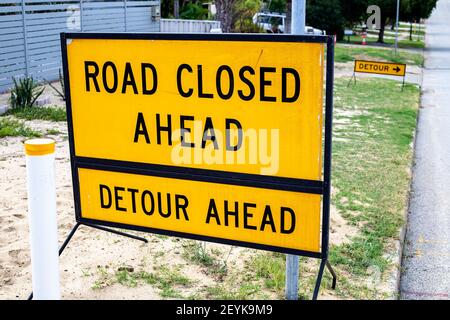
<point>262,216</point>
<point>236,106</point>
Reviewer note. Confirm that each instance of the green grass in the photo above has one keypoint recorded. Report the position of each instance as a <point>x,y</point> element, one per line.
<point>271,269</point>
<point>244,291</point>
<point>167,280</point>
<point>52,132</point>
<point>370,161</point>
<point>15,128</point>
<point>345,53</point>
<point>196,252</point>
<point>402,43</point>
<point>373,132</point>
<point>40,113</point>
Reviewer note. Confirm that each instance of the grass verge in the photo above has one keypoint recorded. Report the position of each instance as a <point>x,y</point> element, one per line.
<point>402,43</point>
<point>375,123</point>
<point>15,128</point>
<point>344,53</point>
<point>40,113</point>
<point>372,152</point>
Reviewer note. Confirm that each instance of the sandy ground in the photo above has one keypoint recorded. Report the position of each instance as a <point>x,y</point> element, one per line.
<point>93,256</point>
<point>91,250</point>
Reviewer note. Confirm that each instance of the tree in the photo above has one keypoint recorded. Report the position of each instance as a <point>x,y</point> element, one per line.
<point>353,11</point>
<point>176,9</point>
<point>277,6</point>
<point>243,13</point>
<point>288,20</point>
<point>325,15</point>
<point>194,10</point>
<point>224,13</point>
<point>415,10</point>
<point>388,13</point>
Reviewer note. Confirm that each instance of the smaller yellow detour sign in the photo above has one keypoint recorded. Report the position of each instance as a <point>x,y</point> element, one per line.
<point>277,218</point>
<point>393,69</point>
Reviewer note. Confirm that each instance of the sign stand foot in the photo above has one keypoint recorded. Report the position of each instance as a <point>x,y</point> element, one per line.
<point>350,81</point>
<point>120,233</point>
<point>75,228</point>
<point>323,263</point>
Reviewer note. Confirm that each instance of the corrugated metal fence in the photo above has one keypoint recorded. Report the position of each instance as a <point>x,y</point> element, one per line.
<point>188,26</point>
<point>29,30</point>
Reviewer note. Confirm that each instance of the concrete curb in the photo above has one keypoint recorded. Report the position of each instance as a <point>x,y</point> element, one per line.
<point>395,274</point>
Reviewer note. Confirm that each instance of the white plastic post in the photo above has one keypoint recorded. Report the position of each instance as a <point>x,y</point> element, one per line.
<point>40,159</point>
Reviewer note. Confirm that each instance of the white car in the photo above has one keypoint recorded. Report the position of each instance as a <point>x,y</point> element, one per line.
<point>275,23</point>
<point>270,22</point>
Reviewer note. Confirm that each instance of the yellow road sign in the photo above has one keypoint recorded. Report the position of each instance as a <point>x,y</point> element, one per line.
<point>393,69</point>
<point>260,216</point>
<point>219,140</point>
<point>155,101</point>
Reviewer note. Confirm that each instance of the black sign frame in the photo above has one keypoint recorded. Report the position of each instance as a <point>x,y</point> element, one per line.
<point>278,183</point>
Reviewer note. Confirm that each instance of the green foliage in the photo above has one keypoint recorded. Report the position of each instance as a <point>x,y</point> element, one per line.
<point>194,11</point>
<point>414,10</point>
<point>277,6</point>
<point>353,11</point>
<point>14,128</point>
<point>25,93</point>
<point>244,10</point>
<point>325,15</point>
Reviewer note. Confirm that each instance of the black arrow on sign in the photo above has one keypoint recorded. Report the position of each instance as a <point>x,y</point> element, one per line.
<point>396,69</point>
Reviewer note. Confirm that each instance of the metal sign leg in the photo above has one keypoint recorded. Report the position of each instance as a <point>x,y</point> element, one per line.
<point>120,233</point>
<point>75,228</point>
<point>319,279</point>
<point>323,263</point>
<point>350,81</point>
<point>333,274</point>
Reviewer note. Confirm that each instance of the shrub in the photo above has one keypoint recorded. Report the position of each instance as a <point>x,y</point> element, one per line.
<point>25,93</point>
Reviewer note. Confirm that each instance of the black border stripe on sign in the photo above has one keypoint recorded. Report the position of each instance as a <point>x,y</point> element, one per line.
<point>268,182</point>
<point>257,37</point>
<point>224,177</point>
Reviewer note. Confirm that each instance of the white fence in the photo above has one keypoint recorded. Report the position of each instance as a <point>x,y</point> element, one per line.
<point>188,26</point>
<point>29,30</point>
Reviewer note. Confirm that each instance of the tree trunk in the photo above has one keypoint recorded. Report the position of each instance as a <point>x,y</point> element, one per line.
<point>176,9</point>
<point>410,30</point>
<point>224,13</point>
<point>381,33</point>
<point>287,21</point>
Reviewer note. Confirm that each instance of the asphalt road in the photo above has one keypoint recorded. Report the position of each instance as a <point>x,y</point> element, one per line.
<point>426,260</point>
